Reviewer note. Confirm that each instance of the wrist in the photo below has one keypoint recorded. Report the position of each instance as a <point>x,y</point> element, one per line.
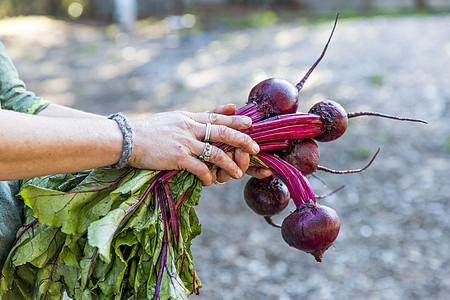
<point>128,139</point>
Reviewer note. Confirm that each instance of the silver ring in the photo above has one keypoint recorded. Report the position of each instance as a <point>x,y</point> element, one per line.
<point>207,132</point>
<point>206,153</point>
<point>218,182</point>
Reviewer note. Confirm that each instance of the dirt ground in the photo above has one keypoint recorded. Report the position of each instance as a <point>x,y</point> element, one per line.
<point>394,241</point>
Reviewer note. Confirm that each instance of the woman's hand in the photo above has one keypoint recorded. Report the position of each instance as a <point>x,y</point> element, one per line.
<point>172,141</point>
<point>241,157</point>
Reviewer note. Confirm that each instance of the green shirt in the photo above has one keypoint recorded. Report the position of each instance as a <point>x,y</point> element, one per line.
<point>13,96</point>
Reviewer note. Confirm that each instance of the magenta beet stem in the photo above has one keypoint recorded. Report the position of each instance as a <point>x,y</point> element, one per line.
<point>251,110</point>
<point>302,82</point>
<point>298,185</point>
<point>275,145</point>
<point>242,111</point>
<point>165,242</point>
<point>292,132</point>
<point>284,120</point>
<point>167,175</point>
<point>172,210</point>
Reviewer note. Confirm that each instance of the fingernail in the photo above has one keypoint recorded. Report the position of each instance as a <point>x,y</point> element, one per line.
<point>255,147</point>
<point>239,173</point>
<point>266,172</point>
<point>246,121</point>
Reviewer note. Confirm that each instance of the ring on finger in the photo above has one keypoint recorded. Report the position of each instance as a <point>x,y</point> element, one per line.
<point>218,182</point>
<point>207,132</point>
<point>206,153</point>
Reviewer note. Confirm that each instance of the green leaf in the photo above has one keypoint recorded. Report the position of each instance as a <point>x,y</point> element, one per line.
<point>73,212</point>
<point>40,249</point>
<point>112,282</point>
<point>72,249</point>
<point>70,276</point>
<point>48,285</point>
<point>133,182</point>
<point>101,232</point>
<point>172,286</point>
<point>59,182</point>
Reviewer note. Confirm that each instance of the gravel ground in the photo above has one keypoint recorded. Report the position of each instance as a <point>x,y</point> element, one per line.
<point>394,241</point>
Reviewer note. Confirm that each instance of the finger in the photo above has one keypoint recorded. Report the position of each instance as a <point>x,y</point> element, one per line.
<point>214,173</point>
<point>199,169</point>
<point>236,122</point>
<point>222,175</point>
<point>225,135</point>
<point>242,159</point>
<point>258,172</point>
<point>221,160</point>
<point>227,109</point>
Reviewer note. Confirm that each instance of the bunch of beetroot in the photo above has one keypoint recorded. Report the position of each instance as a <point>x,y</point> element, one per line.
<point>288,149</point>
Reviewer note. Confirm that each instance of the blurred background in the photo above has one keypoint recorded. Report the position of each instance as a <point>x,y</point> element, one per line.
<point>146,56</point>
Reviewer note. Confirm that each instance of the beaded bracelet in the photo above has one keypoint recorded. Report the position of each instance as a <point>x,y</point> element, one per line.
<point>128,133</point>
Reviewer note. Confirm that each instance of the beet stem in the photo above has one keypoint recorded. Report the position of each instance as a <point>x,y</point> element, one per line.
<point>275,145</point>
<point>368,113</point>
<point>299,85</point>
<point>292,132</point>
<point>348,171</point>
<point>284,120</point>
<point>298,185</point>
<point>173,219</point>
<point>165,242</point>
<point>245,109</point>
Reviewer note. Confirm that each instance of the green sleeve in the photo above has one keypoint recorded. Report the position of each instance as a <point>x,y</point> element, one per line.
<point>13,93</point>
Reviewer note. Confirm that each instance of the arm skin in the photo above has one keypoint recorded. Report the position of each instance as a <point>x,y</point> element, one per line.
<point>36,145</point>
<point>65,140</point>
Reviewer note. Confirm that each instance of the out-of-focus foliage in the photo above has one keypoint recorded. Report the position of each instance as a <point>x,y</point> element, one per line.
<point>104,9</point>
<point>97,8</point>
<point>56,8</point>
<point>266,3</point>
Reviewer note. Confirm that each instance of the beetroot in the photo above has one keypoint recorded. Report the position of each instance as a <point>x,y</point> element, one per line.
<point>270,97</point>
<point>311,228</point>
<point>334,118</point>
<point>303,154</point>
<point>275,97</point>
<point>267,196</point>
<point>289,151</point>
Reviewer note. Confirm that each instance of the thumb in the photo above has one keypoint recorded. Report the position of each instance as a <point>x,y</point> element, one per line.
<point>227,109</point>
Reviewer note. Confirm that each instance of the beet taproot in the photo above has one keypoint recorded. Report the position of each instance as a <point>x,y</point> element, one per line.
<point>267,196</point>
<point>311,228</point>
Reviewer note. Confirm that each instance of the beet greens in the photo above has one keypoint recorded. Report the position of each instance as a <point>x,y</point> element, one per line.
<point>106,234</point>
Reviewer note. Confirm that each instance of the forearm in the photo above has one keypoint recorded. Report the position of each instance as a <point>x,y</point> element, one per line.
<point>38,145</point>
<point>59,111</point>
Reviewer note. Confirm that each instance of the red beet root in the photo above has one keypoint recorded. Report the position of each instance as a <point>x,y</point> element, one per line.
<point>274,97</point>
<point>267,196</point>
<point>334,118</point>
<point>311,228</point>
<point>303,154</point>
